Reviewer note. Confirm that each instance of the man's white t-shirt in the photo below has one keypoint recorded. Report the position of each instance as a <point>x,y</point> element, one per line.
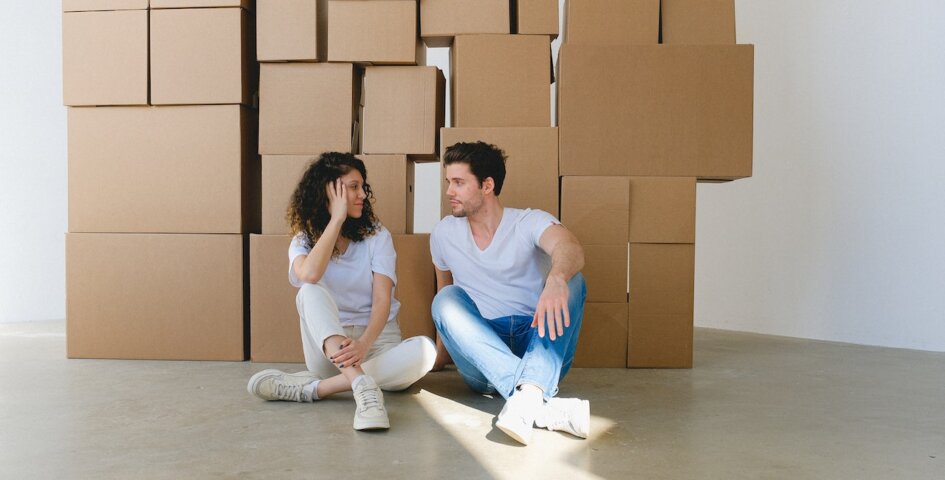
<point>508,276</point>
<point>350,276</point>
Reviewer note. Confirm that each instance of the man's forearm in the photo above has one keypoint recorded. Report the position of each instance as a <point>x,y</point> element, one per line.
<point>566,261</point>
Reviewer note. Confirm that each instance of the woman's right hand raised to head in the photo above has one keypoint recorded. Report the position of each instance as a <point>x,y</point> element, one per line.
<point>337,200</point>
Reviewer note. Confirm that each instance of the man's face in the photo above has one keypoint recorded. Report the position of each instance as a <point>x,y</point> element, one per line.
<point>463,190</point>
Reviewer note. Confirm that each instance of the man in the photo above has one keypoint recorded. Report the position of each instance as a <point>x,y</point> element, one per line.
<point>510,296</point>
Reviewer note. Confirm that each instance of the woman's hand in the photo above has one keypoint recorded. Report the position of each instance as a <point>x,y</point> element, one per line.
<point>351,354</point>
<point>337,200</point>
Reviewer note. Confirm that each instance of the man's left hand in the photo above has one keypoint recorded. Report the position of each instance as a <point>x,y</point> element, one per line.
<point>552,309</point>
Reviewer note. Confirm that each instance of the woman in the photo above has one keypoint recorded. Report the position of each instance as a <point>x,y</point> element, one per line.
<point>342,259</point>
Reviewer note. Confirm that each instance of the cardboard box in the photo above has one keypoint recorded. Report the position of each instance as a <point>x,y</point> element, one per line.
<point>531,177</point>
<point>662,278</point>
<point>537,17</point>
<point>160,4</point>
<point>103,5</point>
<point>441,20</point>
<point>403,111</point>
<point>291,30</point>
<point>605,271</point>
<point>596,209</point>
<point>168,297</point>
<point>501,81</point>
<point>661,110</point>
<point>187,169</point>
<point>202,56</point>
<point>307,108</point>
<point>104,54</point>
<point>276,333</point>
<point>391,178</point>
<point>698,22</point>
<point>602,343</point>
<point>612,22</point>
<point>382,32</point>
<point>662,210</point>
<point>280,176</point>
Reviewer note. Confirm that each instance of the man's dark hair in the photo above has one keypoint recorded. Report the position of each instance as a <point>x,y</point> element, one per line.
<point>484,161</point>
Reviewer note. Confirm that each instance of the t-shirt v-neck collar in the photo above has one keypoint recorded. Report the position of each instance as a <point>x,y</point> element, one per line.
<point>495,236</point>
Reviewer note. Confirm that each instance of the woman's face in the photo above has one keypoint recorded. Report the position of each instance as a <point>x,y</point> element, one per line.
<point>356,195</point>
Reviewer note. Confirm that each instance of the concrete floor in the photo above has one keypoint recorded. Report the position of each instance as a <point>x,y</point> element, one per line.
<point>754,407</point>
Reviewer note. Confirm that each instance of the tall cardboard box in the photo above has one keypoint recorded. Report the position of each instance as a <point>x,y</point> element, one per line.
<point>276,333</point>
<point>403,111</point>
<point>612,22</point>
<point>202,56</point>
<point>536,17</point>
<point>280,176</point>
<point>307,108</point>
<point>531,170</point>
<point>661,305</point>
<point>441,20</point>
<point>392,179</point>
<point>184,169</point>
<point>381,32</point>
<point>501,81</point>
<point>182,297</point>
<point>601,342</point>
<point>104,52</point>
<point>291,30</point>
<point>698,22</point>
<point>656,110</point>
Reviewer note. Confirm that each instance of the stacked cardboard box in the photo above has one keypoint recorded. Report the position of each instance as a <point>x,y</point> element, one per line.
<point>641,120</point>
<point>160,197</point>
<point>373,98</point>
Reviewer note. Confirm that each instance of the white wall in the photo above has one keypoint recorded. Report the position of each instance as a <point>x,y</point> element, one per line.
<point>840,235</point>
<point>32,164</point>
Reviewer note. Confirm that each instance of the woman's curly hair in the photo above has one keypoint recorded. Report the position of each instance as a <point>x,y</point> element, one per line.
<point>308,211</point>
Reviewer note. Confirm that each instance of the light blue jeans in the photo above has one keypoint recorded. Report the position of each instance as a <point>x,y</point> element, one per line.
<point>497,355</point>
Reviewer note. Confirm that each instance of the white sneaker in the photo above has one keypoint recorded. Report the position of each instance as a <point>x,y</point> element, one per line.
<point>370,414</point>
<point>277,385</point>
<point>517,418</point>
<point>571,415</point>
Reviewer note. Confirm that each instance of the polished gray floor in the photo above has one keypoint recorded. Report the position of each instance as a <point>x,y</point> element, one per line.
<point>753,407</point>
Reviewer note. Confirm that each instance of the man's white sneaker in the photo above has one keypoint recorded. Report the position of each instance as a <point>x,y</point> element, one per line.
<point>370,414</point>
<point>571,415</point>
<point>277,385</point>
<point>518,417</point>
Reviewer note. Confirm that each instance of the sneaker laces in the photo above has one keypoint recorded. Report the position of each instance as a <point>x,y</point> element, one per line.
<point>288,392</point>
<point>369,399</point>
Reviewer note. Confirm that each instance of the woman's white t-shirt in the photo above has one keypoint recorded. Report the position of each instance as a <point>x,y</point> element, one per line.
<point>350,276</point>
<point>508,276</point>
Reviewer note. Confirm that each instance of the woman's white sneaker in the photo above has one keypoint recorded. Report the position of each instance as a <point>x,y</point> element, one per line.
<point>277,385</point>
<point>370,413</point>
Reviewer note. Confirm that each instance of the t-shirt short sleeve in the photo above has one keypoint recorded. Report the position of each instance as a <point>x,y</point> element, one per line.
<point>383,256</point>
<point>436,251</point>
<point>299,246</point>
<point>534,223</point>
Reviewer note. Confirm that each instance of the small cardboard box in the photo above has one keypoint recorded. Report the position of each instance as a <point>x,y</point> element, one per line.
<point>662,278</point>
<point>660,110</point>
<point>698,22</point>
<point>307,108</point>
<point>291,30</point>
<point>612,210</point>
<point>605,271</point>
<point>276,333</point>
<point>391,178</point>
<point>104,53</point>
<point>280,176</point>
<point>611,22</point>
<point>403,111</point>
<point>167,297</point>
<point>161,4</point>
<point>202,56</point>
<point>185,169</point>
<point>501,81</point>
<point>441,20</point>
<point>531,177</point>
<point>601,342</point>
<point>382,32</point>
<point>537,17</point>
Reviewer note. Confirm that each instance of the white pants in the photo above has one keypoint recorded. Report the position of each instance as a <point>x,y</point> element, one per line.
<point>393,363</point>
